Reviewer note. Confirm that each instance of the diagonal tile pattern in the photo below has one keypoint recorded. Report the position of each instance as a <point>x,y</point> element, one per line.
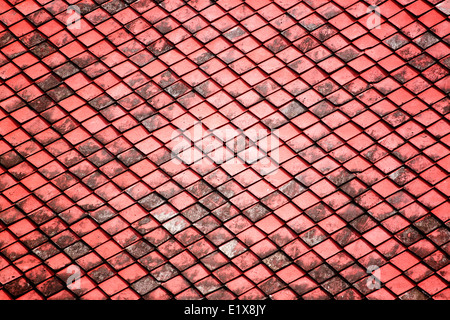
<point>92,111</point>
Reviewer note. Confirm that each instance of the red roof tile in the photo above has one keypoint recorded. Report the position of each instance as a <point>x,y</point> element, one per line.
<point>222,149</point>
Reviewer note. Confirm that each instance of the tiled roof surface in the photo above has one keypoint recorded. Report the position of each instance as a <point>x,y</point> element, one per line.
<point>89,113</point>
